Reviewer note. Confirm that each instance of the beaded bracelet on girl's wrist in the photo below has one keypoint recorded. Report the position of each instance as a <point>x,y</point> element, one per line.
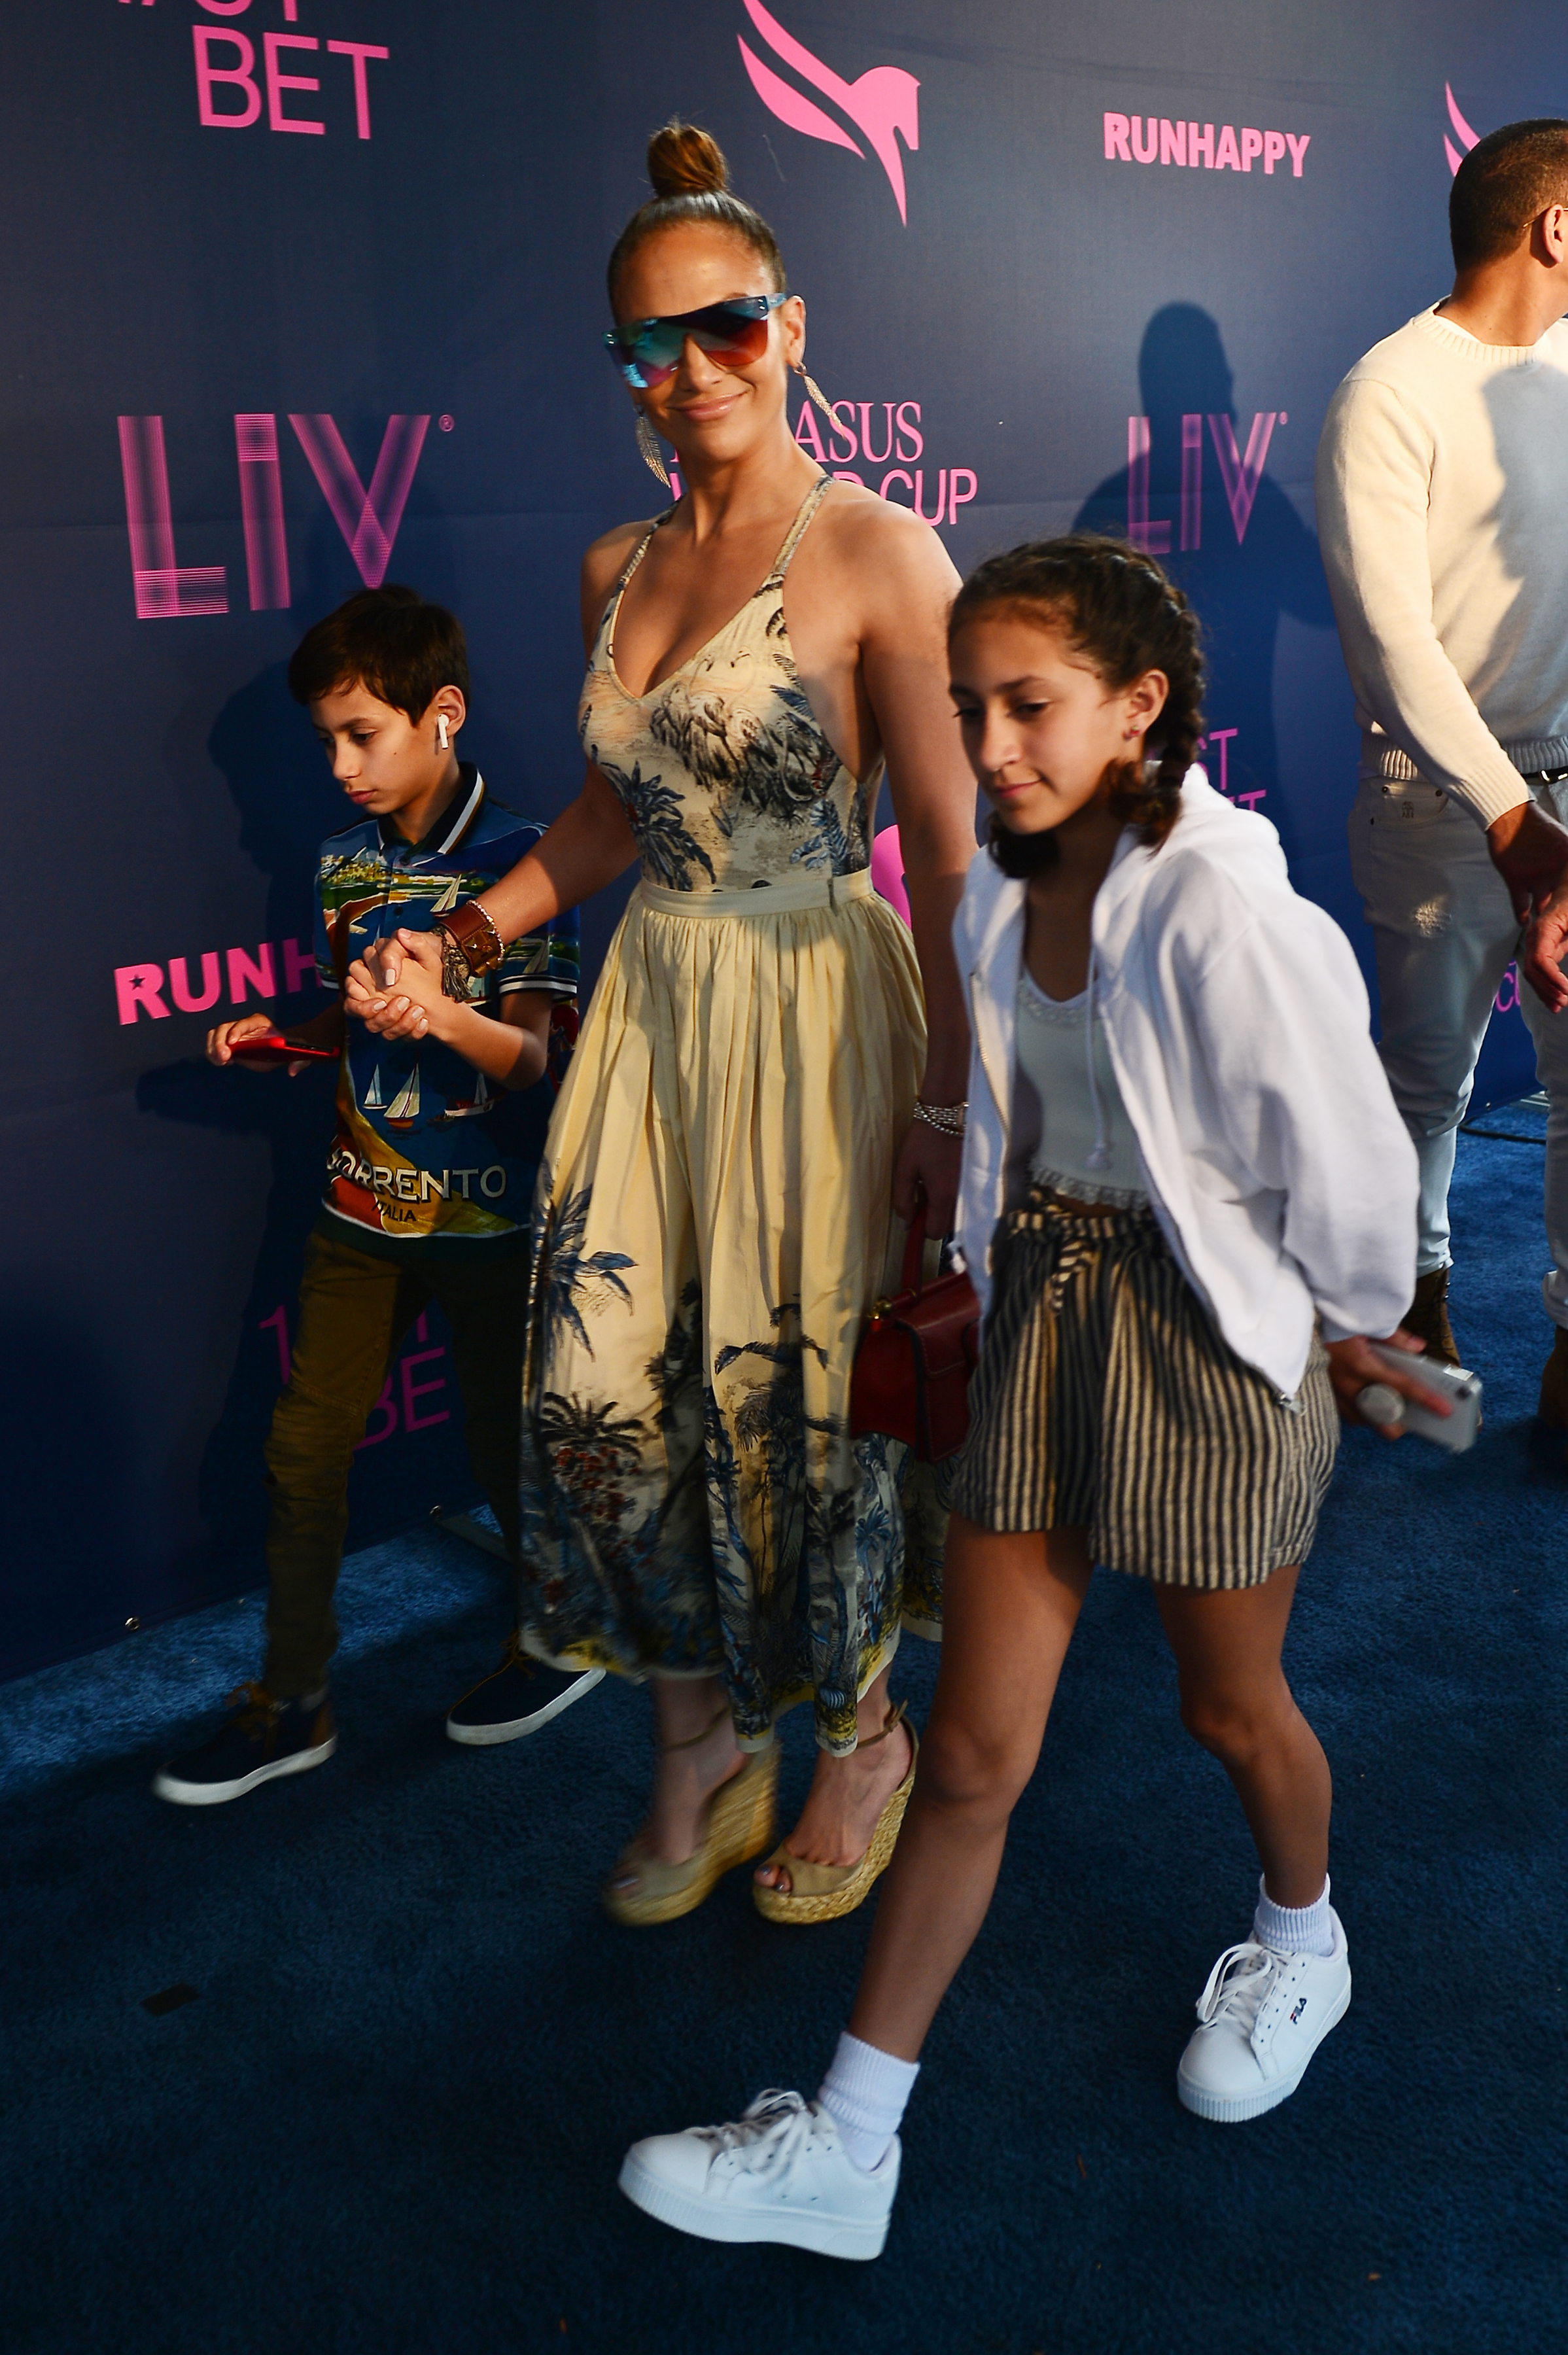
<point>948,1120</point>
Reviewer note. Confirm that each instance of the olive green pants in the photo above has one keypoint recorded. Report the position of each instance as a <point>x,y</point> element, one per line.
<point>354,1310</point>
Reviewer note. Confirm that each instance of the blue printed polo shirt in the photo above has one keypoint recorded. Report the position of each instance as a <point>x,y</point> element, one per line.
<point>430,1158</point>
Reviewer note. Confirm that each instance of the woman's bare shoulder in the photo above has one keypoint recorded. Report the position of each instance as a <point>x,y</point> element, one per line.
<point>886,573</point>
<point>885,541</point>
<point>603,563</point>
<point>604,557</point>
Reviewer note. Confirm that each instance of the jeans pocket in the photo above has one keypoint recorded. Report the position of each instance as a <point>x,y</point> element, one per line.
<point>1403,809</point>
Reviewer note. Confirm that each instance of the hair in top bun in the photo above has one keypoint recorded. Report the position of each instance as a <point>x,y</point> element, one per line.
<point>691,183</point>
<point>686,162</point>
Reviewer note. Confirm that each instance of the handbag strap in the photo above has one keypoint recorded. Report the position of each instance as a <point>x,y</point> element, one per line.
<point>912,1277</point>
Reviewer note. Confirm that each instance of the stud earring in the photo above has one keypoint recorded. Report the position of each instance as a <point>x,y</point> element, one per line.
<point>442,738</point>
<point>813,392</point>
<point>648,448</point>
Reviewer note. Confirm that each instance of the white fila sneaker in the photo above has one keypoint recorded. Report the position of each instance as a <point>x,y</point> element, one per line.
<point>1260,2020</point>
<point>778,2174</point>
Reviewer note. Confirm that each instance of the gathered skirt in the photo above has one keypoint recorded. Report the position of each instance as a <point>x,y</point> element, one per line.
<point>1106,1399</point>
<point>711,1227</point>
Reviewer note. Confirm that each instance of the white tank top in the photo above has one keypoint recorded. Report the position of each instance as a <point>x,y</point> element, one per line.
<point>1086,1148</point>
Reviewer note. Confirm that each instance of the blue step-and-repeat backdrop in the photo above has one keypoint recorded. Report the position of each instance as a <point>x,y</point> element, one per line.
<point>302,294</point>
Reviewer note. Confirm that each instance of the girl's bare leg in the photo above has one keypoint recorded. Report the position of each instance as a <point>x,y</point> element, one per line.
<point>1236,1702</point>
<point>1010,1606</point>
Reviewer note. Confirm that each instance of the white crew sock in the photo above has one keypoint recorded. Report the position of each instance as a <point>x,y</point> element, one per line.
<point>1294,1929</point>
<point>864,2093</point>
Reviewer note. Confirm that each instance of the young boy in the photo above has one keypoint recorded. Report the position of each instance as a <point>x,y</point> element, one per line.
<point>428,1179</point>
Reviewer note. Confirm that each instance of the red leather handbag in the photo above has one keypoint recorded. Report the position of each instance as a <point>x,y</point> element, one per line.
<point>911,1372</point>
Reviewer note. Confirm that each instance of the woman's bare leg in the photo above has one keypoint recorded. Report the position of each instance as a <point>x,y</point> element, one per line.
<point>696,1752</point>
<point>1236,1702</point>
<point>1010,1606</point>
<point>847,1794</point>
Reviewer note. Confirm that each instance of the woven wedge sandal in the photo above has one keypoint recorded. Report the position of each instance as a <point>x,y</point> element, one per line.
<point>739,1825</point>
<point>821,1892</point>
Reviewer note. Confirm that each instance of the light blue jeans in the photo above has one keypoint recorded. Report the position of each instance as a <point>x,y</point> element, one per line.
<point>1444,931</point>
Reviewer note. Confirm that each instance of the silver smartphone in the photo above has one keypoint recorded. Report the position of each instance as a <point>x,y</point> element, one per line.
<point>1461,1387</point>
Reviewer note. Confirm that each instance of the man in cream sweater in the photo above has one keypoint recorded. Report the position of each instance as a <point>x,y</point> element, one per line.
<point>1443,514</point>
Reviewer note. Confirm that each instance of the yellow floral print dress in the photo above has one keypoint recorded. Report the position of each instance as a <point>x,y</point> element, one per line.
<point>713,1216</point>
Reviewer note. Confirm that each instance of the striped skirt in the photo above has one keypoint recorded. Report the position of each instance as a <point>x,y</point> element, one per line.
<point>1106,1398</point>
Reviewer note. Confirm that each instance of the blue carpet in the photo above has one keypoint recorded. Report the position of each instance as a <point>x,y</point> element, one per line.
<point>391,2118</point>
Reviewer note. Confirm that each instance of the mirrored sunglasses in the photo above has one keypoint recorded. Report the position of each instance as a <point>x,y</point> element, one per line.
<point>647,351</point>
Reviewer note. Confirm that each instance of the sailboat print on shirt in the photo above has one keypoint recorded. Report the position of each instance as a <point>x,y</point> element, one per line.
<point>448,900</point>
<point>480,1101</point>
<point>404,1108</point>
<point>374,1100</point>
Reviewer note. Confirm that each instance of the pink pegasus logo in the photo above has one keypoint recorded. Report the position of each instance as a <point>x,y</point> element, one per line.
<point>882,105</point>
<point>1467,138</point>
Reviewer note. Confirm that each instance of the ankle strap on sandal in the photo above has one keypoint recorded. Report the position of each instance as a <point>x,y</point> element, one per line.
<point>692,1740</point>
<point>895,1719</point>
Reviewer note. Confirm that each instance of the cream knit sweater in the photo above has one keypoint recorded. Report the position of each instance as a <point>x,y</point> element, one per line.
<point>1443,518</point>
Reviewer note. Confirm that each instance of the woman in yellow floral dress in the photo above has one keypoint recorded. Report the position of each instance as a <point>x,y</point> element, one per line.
<point>754,1094</point>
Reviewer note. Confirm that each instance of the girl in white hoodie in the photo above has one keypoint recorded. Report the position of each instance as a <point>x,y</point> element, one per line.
<point>1187,1196</point>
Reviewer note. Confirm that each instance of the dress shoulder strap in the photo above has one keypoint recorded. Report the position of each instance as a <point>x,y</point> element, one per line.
<point>796,532</point>
<point>638,552</point>
<point>606,629</point>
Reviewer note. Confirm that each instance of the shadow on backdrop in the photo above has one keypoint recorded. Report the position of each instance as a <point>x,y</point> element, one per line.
<point>1198,495</point>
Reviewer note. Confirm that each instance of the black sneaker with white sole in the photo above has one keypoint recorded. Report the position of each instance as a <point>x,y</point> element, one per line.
<point>518,1698</point>
<point>264,1738</point>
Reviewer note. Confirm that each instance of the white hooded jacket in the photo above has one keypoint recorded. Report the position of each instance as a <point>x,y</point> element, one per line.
<point>1238,1028</point>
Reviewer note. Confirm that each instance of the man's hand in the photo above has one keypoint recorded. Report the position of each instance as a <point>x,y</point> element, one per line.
<point>1541,959</point>
<point>394,990</point>
<point>926,1177</point>
<point>1530,851</point>
<point>1352,1366</point>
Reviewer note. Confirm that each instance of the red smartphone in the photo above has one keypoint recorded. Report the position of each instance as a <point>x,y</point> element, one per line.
<point>271,1046</point>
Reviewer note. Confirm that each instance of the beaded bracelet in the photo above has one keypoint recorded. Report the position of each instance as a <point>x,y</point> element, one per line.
<point>948,1120</point>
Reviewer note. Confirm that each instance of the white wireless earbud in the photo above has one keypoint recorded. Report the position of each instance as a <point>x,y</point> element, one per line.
<point>441,737</point>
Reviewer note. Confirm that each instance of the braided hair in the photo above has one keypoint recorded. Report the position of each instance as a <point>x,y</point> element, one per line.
<point>1126,614</point>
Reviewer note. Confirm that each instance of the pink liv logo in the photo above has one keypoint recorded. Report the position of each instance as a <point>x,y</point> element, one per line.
<point>166,590</point>
<point>884,104</point>
<point>1241,472</point>
<point>1466,137</point>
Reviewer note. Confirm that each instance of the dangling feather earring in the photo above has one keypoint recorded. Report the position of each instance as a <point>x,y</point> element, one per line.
<point>648,447</point>
<point>813,392</point>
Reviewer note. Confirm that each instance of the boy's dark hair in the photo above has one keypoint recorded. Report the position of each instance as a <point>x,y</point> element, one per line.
<point>1504,183</point>
<point>1128,617</point>
<point>389,641</point>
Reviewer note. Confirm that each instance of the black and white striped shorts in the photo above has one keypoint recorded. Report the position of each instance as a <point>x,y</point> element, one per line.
<point>1106,1398</point>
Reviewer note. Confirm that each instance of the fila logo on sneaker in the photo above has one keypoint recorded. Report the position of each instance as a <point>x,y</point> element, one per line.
<point>1300,2007</point>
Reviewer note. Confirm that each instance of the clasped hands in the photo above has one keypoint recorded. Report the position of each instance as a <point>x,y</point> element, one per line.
<point>395,989</point>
